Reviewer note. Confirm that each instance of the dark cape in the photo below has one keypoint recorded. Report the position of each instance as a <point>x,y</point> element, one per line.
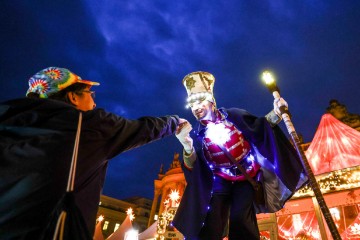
<point>36,144</point>
<point>282,168</point>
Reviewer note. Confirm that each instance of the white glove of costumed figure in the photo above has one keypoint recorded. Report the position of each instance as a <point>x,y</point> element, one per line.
<point>183,135</point>
<point>278,103</point>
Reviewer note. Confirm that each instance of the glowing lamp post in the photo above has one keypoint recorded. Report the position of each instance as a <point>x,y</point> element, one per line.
<point>270,82</point>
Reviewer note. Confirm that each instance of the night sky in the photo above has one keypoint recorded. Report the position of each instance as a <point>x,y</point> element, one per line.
<point>140,51</point>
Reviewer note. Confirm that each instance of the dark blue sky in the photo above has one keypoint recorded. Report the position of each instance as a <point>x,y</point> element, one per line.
<point>140,51</point>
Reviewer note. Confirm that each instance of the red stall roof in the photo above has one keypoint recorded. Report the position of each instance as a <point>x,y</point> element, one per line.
<point>335,146</point>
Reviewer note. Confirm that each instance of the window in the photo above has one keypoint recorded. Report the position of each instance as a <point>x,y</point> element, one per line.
<point>117,225</point>
<point>106,224</point>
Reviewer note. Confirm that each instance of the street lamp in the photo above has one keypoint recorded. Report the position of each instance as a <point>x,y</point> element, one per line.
<point>270,82</point>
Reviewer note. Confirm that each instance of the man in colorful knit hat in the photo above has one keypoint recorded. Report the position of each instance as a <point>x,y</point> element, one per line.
<point>219,200</point>
<point>37,136</point>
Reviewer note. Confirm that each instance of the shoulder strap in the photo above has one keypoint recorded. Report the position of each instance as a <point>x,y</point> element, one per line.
<point>71,179</point>
<point>60,224</point>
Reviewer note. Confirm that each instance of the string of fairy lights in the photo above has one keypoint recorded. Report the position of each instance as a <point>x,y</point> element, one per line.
<point>334,181</point>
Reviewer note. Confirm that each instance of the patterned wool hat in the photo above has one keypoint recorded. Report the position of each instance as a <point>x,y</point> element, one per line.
<point>52,80</point>
<point>199,85</point>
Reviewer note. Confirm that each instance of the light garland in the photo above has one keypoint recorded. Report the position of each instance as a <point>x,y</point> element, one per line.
<point>165,219</point>
<point>338,180</point>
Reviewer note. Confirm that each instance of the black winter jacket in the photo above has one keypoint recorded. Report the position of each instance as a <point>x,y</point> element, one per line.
<point>36,144</point>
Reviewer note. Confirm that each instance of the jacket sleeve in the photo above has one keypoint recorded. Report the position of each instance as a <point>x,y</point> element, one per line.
<point>120,134</point>
<point>189,159</point>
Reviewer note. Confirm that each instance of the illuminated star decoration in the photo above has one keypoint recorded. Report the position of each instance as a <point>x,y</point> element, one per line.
<point>190,83</point>
<point>217,133</point>
<point>174,196</point>
<point>129,212</point>
<point>100,218</point>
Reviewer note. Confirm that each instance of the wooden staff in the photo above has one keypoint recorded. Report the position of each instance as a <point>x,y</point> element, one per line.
<point>285,114</point>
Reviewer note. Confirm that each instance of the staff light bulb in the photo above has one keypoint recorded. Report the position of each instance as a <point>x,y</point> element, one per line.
<point>268,78</point>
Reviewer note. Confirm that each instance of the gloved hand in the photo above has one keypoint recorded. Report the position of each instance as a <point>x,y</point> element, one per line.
<point>183,135</point>
<point>278,104</point>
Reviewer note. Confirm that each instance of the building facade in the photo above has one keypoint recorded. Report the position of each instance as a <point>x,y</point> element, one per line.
<point>114,213</point>
<point>168,181</point>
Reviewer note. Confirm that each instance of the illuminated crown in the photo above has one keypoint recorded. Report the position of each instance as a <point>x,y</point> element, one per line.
<point>199,85</point>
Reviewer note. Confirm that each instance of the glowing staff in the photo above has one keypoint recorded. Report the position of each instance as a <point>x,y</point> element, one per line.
<point>269,80</point>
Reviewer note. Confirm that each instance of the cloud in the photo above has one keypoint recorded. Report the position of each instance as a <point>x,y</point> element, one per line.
<point>140,50</point>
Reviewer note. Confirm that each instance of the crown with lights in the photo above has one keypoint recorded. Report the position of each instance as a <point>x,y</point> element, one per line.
<point>199,86</point>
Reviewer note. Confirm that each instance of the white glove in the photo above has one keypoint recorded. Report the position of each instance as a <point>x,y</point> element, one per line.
<point>183,135</point>
<point>278,103</point>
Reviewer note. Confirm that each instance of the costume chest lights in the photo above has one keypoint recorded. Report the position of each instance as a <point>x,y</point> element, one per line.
<point>225,133</point>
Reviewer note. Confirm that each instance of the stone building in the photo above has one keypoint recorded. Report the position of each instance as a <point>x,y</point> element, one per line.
<point>173,179</point>
<point>114,212</point>
<point>340,112</point>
